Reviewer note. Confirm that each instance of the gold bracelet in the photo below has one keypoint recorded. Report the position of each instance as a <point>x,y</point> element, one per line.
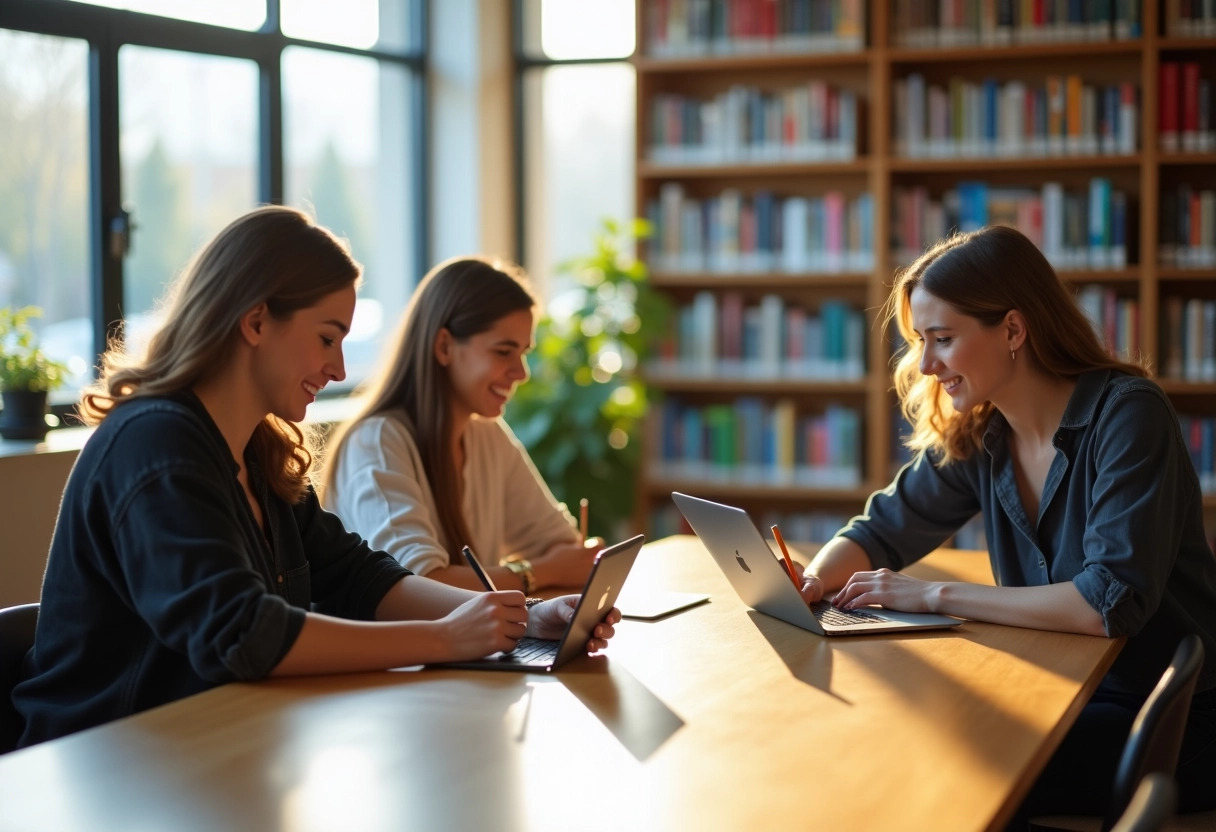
<point>523,569</point>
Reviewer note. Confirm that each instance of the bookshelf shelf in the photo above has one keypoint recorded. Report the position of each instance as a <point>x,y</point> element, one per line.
<point>1131,275</point>
<point>759,280</point>
<point>746,63</point>
<point>904,164</point>
<point>1131,269</point>
<point>650,170</point>
<point>1074,50</point>
<point>748,492</point>
<point>1180,274</point>
<point>743,386</point>
<point>1188,158</point>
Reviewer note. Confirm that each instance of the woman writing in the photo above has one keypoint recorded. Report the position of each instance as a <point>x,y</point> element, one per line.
<point>1091,505</point>
<point>428,466</point>
<point>190,548</point>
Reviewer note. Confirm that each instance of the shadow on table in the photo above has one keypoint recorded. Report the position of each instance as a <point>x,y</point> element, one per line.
<point>639,720</point>
<point>808,657</point>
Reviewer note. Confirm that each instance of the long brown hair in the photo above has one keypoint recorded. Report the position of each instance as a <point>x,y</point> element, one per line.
<point>273,255</point>
<point>466,296</point>
<point>984,274</point>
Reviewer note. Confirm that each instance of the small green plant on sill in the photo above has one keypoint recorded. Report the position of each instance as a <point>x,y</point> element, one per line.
<point>581,414</point>
<point>23,364</point>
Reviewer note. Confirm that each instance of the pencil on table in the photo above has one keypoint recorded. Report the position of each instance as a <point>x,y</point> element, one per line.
<point>582,518</point>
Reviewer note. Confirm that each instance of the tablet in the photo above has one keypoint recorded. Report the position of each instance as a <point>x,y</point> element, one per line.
<point>650,605</point>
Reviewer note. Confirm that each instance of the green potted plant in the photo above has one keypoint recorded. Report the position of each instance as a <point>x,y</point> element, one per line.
<point>27,374</point>
<point>581,414</point>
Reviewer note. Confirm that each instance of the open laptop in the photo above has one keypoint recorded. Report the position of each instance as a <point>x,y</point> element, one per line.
<point>608,573</point>
<point>764,585</point>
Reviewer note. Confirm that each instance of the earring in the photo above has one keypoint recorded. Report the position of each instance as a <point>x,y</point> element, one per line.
<point>1013,356</point>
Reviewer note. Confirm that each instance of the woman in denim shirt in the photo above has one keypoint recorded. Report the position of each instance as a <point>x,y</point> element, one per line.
<point>1091,504</point>
<point>190,549</point>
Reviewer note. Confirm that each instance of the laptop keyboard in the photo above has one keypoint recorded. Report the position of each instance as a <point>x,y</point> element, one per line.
<point>529,650</point>
<point>828,614</point>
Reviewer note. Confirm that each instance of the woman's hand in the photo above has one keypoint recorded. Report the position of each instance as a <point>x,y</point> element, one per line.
<point>812,588</point>
<point>893,590</point>
<point>549,620</point>
<point>566,564</point>
<point>485,624</point>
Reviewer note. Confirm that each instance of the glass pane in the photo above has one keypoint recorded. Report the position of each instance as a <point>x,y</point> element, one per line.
<point>234,14</point>
<point>347,147</point>
<point>44,186</point>
<point>189,162</point>
<point>363,24</point>
<point>579,140</point>
<point>570,29</point>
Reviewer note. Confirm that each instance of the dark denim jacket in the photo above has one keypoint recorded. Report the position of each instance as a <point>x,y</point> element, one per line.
<point>160,583</point>
<point>1121,517</point>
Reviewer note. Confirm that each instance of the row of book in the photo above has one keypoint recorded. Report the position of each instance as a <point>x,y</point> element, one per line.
<point>1190,18</point>
<point>1062,116</point>
<point>689,28</point>
<point>952,23</point>
<point>721,336</point>
<point>762,232</point>
<point>810,122</point>
<point>1188,339</point>
<point>796,526</point>
<point>1199,432</point>
<point>1184,112</point>
<point>1075,229</point>
<point>1116,319</point>
<point>1187,231</point>
<point>754,441</point>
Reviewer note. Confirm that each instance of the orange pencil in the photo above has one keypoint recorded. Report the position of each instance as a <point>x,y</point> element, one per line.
<point>785,553</point>
<point>582,517</point>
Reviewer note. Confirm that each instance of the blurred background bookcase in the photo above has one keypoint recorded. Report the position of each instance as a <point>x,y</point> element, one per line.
<point>793,154</point>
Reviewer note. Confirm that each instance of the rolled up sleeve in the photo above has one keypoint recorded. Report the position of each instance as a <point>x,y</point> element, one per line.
<point>1141,480</point>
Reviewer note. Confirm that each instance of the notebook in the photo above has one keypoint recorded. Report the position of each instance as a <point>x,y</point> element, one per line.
<point>763,584</point>
<point>608,572</point>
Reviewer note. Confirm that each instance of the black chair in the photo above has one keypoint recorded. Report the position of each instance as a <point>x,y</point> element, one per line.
<point>16,638</point>
<point>1152,805</point>
<point>1154,742</point>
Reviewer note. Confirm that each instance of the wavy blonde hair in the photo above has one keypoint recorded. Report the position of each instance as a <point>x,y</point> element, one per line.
<point>466,296</point>
<point>273,255</point>
<point>984,275</point>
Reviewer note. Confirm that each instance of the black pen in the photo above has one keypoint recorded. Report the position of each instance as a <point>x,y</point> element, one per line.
<point>477,569</point>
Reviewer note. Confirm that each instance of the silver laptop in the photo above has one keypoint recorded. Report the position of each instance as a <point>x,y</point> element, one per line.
<point>763,584</point>
<point>608,573</point>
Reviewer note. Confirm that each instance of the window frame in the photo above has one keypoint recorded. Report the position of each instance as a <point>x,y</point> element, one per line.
<point>523,62</point>
<point>106,30</point>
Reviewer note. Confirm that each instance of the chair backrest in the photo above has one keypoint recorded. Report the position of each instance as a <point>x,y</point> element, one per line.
<point>17,626</point>
<point>1152,805</point>
<point>1156,735</point>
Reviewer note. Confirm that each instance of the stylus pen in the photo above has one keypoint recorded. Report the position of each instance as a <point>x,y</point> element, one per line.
<point>478,570</point>
<point>582,518</point>
<point>785,553</point>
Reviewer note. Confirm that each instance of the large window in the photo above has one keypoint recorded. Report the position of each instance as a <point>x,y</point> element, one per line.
<point>576,121</point>
<point>133,130</point>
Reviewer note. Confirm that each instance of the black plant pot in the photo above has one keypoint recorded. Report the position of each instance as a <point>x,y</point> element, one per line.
<point>24,414</point>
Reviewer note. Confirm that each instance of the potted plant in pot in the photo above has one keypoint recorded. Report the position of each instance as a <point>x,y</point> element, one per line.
<point>27,374</point>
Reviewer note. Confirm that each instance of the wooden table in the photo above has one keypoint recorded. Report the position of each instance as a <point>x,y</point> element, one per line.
<point>716,718</point>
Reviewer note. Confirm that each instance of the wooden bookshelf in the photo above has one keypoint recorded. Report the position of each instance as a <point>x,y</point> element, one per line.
<point>1145,178</point>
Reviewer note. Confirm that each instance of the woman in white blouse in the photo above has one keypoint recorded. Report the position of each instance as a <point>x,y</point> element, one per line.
<point>428,466</point>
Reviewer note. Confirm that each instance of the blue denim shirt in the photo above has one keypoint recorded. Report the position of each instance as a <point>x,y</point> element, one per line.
<point>1121,516</point>
<point>160,583</point>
